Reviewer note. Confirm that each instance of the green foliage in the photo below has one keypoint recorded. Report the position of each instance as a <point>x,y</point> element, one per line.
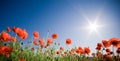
<point>44,55</point>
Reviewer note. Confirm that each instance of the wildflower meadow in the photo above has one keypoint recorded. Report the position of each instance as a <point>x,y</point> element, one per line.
<point>44,49</point>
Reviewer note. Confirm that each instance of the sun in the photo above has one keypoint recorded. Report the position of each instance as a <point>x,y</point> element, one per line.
<point>93,27</point>
<point>93,24</point>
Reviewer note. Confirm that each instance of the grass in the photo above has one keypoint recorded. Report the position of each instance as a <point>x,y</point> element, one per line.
<point>47,55</point>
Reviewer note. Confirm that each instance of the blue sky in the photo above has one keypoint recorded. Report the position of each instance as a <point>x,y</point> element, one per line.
<point>65,17</point>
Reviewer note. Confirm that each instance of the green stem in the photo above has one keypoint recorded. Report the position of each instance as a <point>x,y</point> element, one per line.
<point>47,35</point>
<point>113,51</point>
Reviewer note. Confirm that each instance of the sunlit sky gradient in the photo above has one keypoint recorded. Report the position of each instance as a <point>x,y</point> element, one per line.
<point>67,18</point>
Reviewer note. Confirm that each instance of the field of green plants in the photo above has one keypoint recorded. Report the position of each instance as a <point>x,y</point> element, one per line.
<point>45,50</point>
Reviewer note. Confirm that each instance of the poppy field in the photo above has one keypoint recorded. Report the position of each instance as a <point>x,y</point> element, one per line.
<point>45,49</point>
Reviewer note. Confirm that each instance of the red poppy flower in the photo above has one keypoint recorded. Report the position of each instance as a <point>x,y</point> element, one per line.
<point>25,35</point>
<point>49,41</point>
<point>118,45</point>
<point>41,42</point>
<point>98,48</point>
<point>11,38</point>
<point>111,52</point>
<point>8,29</point>
<point>81,50</point>
<point>115,42</point>
<point>54,36</point>
<point>5,50</point>
<point>70,52</point>
<point>106,43</point>
<point>118,50</point>
<point>36,34</point>
<point>32,49</point>
<point>99,44</point>
<point>68,41</point>
<point>65,52</point>
<point>57,52</point>
<point>108,50</point>
<point>35,42</point>
<point>20,32</point>
<point>45,46</point>
<point>5,37</point>
<point>87,50</point>
<point>77,51</point>
<point>14,29</point>
<point>107,57</point>
<point>61,48</point>
<point>22,60</point>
